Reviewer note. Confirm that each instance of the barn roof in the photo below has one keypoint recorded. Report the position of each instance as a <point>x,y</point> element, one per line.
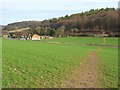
<point>35,36</point>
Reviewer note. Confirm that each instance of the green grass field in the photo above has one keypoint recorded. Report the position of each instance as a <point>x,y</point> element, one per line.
<point>42,64</point>
<point>87,40</point>
<point>109,67</point>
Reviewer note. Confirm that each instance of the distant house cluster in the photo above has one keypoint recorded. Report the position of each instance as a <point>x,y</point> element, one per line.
<point>25,35</point>
<point>12,35</point>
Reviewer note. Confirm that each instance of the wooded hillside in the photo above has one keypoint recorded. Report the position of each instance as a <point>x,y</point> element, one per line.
<point>94,20</point>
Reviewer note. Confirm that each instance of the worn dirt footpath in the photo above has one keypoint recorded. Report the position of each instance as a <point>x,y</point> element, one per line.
<point>86,76</point>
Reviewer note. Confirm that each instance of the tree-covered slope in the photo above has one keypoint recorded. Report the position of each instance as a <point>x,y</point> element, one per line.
<point>95,19</point>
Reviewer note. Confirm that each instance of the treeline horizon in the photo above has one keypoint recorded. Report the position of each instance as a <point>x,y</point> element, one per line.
<point>104,19</point>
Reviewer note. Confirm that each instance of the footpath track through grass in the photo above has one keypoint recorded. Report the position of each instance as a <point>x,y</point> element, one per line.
<point>42,64</point>
<point>87,75</point>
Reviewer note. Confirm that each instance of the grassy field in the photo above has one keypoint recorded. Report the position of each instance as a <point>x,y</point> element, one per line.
<point>44,64</point>
<point>88,40</point>
<point>109,66</point>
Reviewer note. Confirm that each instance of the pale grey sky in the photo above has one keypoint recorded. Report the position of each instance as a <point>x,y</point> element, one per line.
<point>24,10</point>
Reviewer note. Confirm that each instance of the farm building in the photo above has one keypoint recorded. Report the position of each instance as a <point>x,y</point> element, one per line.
<point>35,37</point>
<point>50,37</point>
<point>23,37</point>
<point>4,34</point>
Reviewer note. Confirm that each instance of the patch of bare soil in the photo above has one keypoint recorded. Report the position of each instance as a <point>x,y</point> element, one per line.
<point>86,76</point>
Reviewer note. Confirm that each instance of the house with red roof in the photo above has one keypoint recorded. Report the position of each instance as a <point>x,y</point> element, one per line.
<point>35,37</point>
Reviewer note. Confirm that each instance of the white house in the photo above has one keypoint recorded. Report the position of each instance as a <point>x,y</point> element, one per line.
<point>35,37</point>
<point>50,37</point>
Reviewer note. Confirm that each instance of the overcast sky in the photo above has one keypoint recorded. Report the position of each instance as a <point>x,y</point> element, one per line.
<point>24,10</point>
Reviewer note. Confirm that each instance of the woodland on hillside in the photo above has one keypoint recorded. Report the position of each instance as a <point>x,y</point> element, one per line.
<point>103,20</point>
